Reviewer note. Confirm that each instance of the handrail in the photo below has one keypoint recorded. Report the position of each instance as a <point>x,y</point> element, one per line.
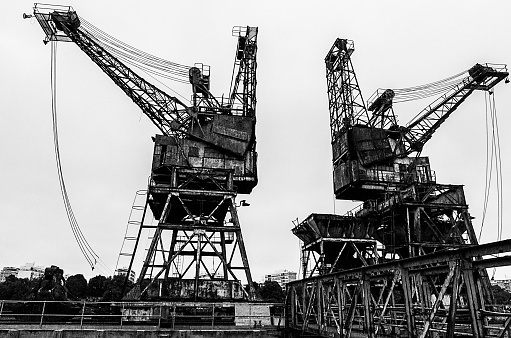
<point>152,314</point>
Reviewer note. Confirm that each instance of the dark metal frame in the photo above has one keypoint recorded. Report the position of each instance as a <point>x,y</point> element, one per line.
<point>427,247</point>
<point>436,295</point>
<point>195,225</point>
<point>193,198</point>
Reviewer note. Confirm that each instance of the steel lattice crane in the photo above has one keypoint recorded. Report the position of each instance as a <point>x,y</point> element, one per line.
<point>406,213</point>
<point>404,209</point>
<point>389,267</point>
<point>365,140</point>
<point>204,157</point>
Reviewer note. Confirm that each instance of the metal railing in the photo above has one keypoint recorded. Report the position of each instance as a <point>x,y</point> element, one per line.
<point>148,314</point>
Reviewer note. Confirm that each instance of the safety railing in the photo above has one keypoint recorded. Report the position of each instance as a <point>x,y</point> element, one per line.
<point>148,314</point>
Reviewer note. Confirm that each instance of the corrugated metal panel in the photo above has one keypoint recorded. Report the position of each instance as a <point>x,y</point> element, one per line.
<point>372,145</point>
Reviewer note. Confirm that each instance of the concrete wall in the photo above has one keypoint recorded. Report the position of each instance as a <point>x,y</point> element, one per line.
<point>133,333</point>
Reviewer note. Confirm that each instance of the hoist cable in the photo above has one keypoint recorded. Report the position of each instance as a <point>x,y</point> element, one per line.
<point>493,163</point>
<point>488,168</point>
<point>105,37</point>
<point>439,83</point>
<point>424,93</point>
<point>498,165</point>
<point>142,63</point>
<point>65,197</point>
<point>427,90</point>
<point>498,169</point>
<point>136,55</point>
<point>147,63</point>
<point>90,256</point>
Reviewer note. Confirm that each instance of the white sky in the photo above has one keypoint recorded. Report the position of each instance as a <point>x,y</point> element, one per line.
<point>106,142</point>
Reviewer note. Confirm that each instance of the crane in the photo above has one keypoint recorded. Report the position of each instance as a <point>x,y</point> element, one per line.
<point>405,211</point>
<point>353,263</point>
<point>369,147</point>
<point>203,158</point>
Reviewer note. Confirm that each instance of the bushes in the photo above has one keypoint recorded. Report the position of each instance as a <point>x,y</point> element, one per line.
<point>98,288</point>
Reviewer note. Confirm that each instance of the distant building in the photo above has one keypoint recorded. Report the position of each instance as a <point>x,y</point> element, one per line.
<point>124,272</point>
<point>31,271</point>
<point>282,277</point>
<point>8,271</point>
<point>503,283</point>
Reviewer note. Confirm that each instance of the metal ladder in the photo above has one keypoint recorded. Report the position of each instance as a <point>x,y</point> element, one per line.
<point>133,226</point>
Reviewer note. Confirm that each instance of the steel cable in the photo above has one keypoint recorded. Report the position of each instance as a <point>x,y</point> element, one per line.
<point>493,162</point>
<point>138,54</point>
<point>90,256</point>
<point>136,57</point>
<point>153,66</point>
<point>427,90</point>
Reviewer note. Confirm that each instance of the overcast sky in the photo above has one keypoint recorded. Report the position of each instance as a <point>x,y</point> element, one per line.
<point>105,140</point>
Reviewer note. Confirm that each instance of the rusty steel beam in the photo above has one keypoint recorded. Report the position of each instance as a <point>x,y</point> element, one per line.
<point>401,298</point>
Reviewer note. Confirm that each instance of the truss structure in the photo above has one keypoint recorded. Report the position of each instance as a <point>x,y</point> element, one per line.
<point>417,220</point>
<point>406,262</point>
<point>197,250</point>
<point>437,295</point>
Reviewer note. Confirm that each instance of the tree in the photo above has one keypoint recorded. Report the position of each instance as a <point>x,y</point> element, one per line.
<point>96,286</point>
<point>77,286</point>
<point>255,287</point>
<point>501,296</point>
<point>113,288</point>
<point>17,288</point>
<point>271,291</point>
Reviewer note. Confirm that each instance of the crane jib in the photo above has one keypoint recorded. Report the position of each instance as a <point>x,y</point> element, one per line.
<point>169,114</point>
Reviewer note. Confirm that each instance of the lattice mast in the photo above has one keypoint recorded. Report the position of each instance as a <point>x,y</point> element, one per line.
<point>205,156</point>
<point>345,102</point>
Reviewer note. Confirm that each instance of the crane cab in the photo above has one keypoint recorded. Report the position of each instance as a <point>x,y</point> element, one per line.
<point>367,164</point>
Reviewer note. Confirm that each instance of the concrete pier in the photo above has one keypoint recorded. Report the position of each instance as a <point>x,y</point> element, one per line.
<point>137,333</point>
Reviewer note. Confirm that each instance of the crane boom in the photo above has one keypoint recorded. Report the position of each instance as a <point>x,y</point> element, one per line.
<point>168,113</point>
<point>422,127</point>
<point>230,127</point>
